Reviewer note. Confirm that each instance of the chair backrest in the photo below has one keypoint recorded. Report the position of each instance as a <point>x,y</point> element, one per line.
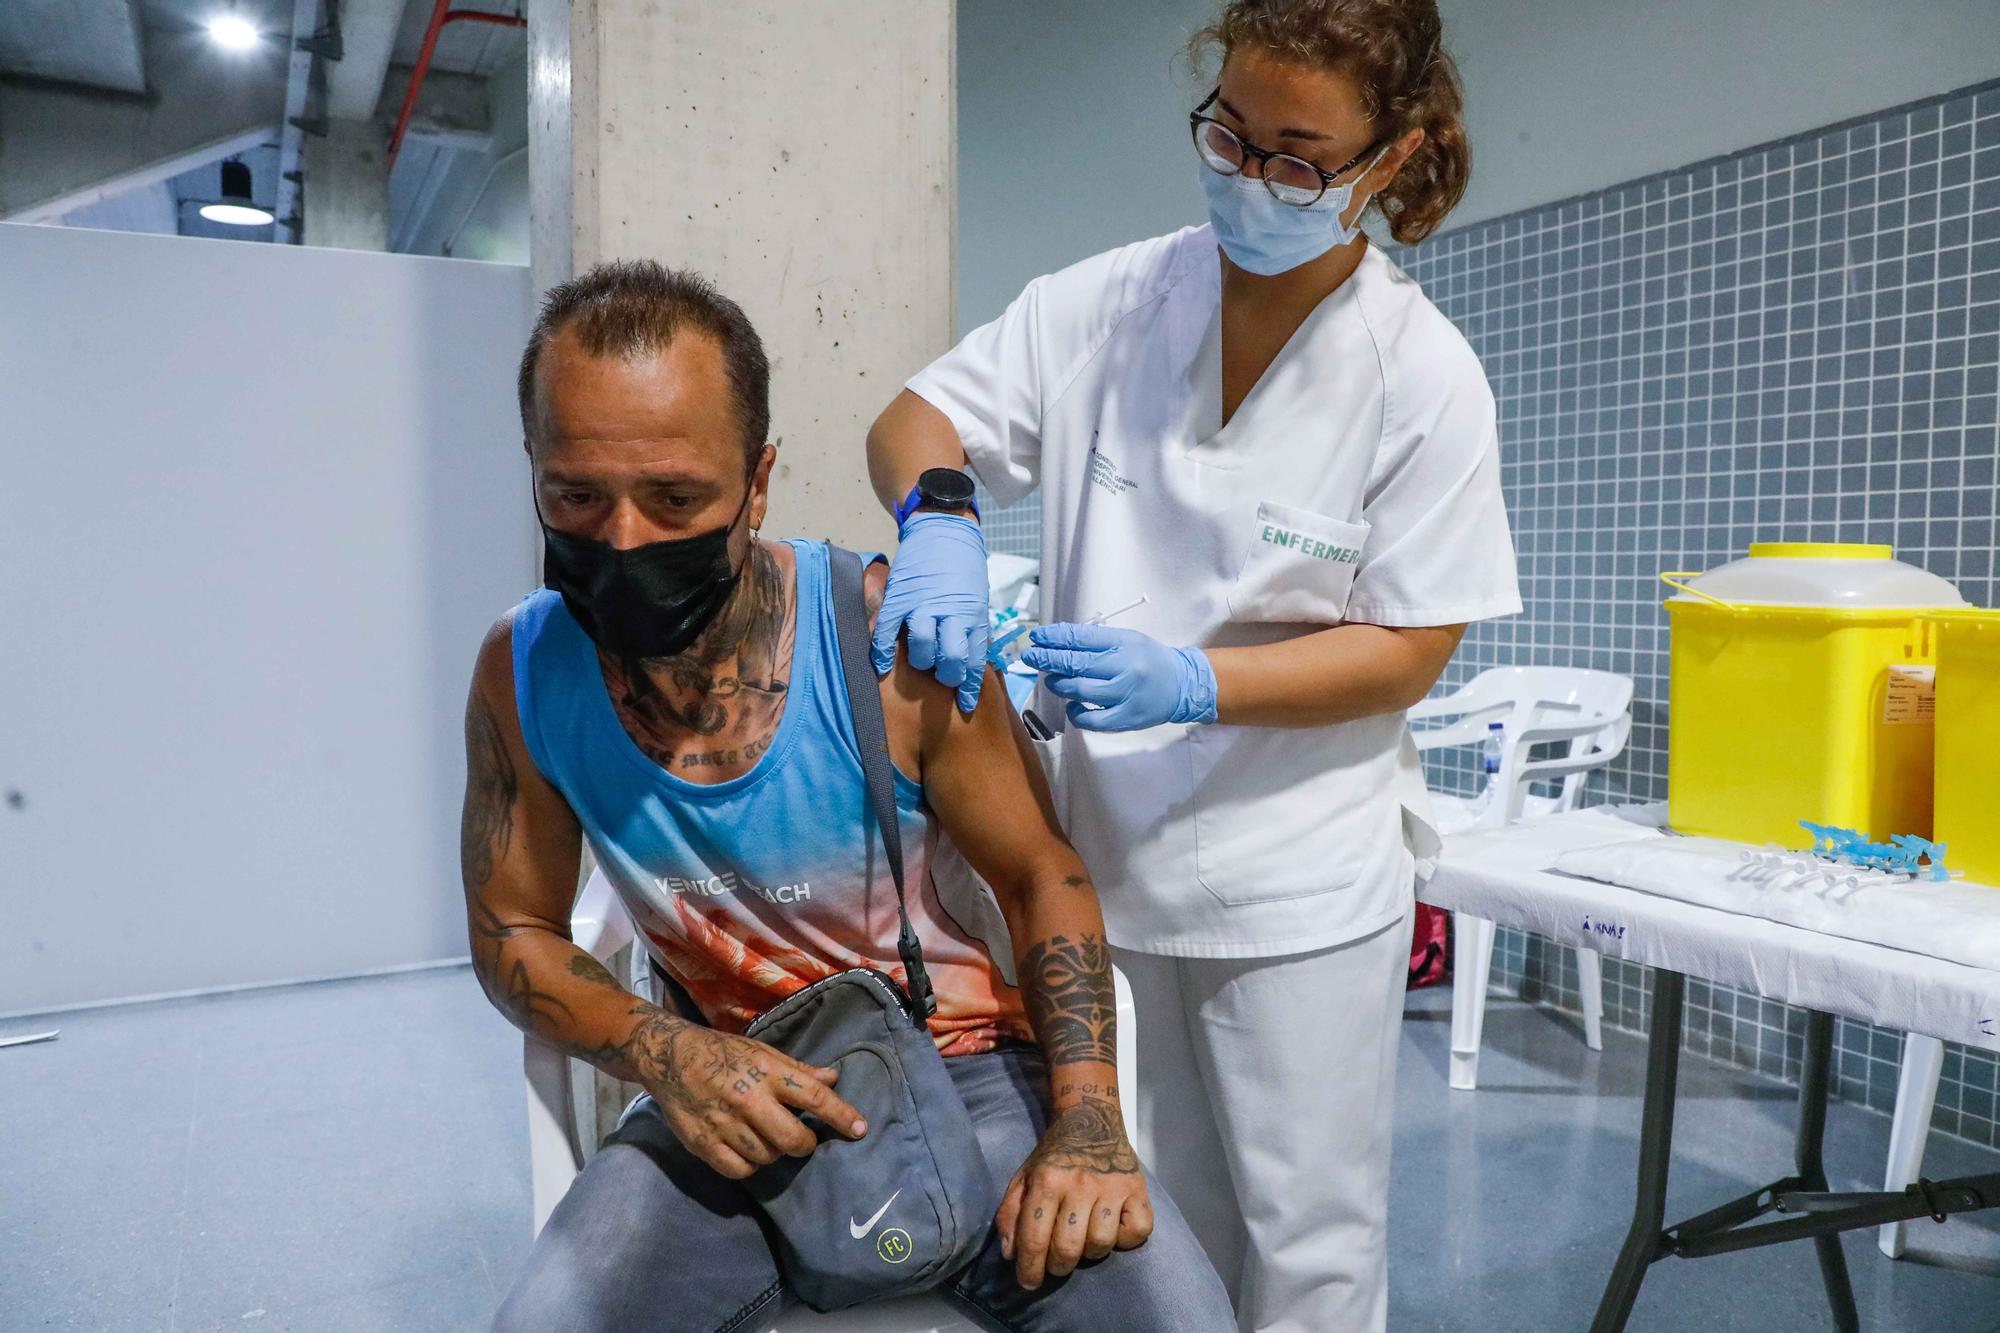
<point>1600,747</point>
<point>1588,693</point>
<point>1535,705</point>
<point>599,923</point>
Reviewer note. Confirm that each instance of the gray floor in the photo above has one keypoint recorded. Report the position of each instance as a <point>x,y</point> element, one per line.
<point>350,1156</point>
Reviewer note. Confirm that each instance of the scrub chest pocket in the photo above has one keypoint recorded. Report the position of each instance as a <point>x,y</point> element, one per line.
<point>1297,565</point>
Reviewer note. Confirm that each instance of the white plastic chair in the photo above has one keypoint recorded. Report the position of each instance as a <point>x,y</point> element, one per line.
<point>1587,712</point>
<point>572,1105</point>
<point>1916,1098</point>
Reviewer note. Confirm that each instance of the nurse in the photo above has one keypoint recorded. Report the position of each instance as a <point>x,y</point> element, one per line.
<point>1264,429</point>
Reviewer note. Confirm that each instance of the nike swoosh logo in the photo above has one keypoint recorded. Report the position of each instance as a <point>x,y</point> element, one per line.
<point>860,1229</point>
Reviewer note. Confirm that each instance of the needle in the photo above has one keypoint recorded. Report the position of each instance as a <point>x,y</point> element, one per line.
<point>1103,616</point>
<point>1039,729</point>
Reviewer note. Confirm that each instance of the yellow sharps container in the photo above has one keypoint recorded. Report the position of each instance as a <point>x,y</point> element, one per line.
<point>1968,741</point>
<point>1802,688</point>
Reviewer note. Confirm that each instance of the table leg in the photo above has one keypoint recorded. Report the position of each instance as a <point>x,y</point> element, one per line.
<point>1472,968</point>
<point>1813,1080</point>
<point>1656,1140</point>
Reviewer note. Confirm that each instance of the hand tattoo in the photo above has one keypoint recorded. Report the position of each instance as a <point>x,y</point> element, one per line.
<point>659,1047</point>
<point>1088,1136</point>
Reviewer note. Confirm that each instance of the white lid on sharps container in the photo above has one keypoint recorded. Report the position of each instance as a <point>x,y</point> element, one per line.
<point>1822,574</point>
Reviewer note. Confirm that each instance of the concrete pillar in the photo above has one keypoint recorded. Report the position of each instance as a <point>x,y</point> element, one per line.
<point>798,152</point>
<point>347,187</point>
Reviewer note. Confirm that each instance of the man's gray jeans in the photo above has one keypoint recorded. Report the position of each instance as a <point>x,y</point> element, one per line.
<point>650,1238</point>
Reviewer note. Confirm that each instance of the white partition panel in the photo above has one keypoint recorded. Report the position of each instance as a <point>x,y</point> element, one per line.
<point>257,504</point>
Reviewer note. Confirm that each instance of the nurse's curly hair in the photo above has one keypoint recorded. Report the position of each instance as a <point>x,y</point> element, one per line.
<point>1394,50</point>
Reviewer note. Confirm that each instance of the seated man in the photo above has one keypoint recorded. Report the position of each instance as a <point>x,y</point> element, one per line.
<point>676,697</point>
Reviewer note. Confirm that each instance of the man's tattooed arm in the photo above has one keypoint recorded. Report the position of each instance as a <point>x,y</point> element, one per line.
<point>687,1067</point>
<point>984,781</point>
<point>532,972</point>
<point>683,1064</point>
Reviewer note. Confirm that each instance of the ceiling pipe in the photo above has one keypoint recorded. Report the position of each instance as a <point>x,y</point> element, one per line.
<point>424,55</point>
<point>481,16</point>
<point>291,137</point>
<point>441,14</point>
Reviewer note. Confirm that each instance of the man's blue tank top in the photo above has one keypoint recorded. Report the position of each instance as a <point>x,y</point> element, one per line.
<point>750,889</point>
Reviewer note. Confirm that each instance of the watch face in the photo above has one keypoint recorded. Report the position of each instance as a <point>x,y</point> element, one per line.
<point>945,486</point>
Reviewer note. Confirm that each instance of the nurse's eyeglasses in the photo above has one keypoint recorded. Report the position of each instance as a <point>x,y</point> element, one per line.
<point>1289,178</point>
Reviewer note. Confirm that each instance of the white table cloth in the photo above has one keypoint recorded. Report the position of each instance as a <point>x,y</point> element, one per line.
<point>1504,876</point>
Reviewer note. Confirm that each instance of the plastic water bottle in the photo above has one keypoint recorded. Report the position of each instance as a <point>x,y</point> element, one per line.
<point>1489,762</point>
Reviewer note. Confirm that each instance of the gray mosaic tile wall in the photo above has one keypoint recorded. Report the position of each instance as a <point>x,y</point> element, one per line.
<point>1796,342</point>
<point>1015,529</point>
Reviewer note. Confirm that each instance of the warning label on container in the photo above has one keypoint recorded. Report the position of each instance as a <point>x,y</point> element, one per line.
<point>1912,696</point>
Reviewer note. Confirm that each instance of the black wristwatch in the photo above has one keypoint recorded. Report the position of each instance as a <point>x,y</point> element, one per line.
<point>944,488</point>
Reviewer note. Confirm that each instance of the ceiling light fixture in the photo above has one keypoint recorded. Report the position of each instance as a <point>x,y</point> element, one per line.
<point>233,32</point>
<point>235,208</point>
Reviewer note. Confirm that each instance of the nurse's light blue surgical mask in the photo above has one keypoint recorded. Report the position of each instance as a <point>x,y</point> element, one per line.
<point>1261,235</point>
<point>1287,216</point>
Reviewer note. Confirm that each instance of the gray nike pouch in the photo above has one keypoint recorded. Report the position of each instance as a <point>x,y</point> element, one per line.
<point>910,1203</point>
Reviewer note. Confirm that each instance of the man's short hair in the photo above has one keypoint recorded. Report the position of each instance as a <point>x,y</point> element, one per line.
<point>632,306</point>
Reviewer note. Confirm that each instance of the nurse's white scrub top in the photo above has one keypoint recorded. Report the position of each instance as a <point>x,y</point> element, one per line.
<point>1358,481</point>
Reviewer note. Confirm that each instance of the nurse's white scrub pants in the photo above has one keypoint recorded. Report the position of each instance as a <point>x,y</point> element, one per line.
<point>1266,1087</point>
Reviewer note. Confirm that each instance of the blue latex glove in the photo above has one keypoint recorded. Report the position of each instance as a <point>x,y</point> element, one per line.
<point>1133,679</point>
<point>937,586</point>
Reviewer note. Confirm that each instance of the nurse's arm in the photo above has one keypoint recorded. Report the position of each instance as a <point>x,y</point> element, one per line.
<point>1080,1194</point>
<point>1332,675</point>
<point>908,439</point>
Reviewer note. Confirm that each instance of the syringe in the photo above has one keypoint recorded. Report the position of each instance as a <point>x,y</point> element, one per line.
<point>1103,616</point>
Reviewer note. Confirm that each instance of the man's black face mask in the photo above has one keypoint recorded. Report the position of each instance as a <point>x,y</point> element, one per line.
<point>648,601</point>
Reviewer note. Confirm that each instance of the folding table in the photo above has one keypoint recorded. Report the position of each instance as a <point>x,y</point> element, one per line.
<point>1504,876</point>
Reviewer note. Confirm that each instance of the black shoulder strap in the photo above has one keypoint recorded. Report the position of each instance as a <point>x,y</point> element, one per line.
<point>850,618</point>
